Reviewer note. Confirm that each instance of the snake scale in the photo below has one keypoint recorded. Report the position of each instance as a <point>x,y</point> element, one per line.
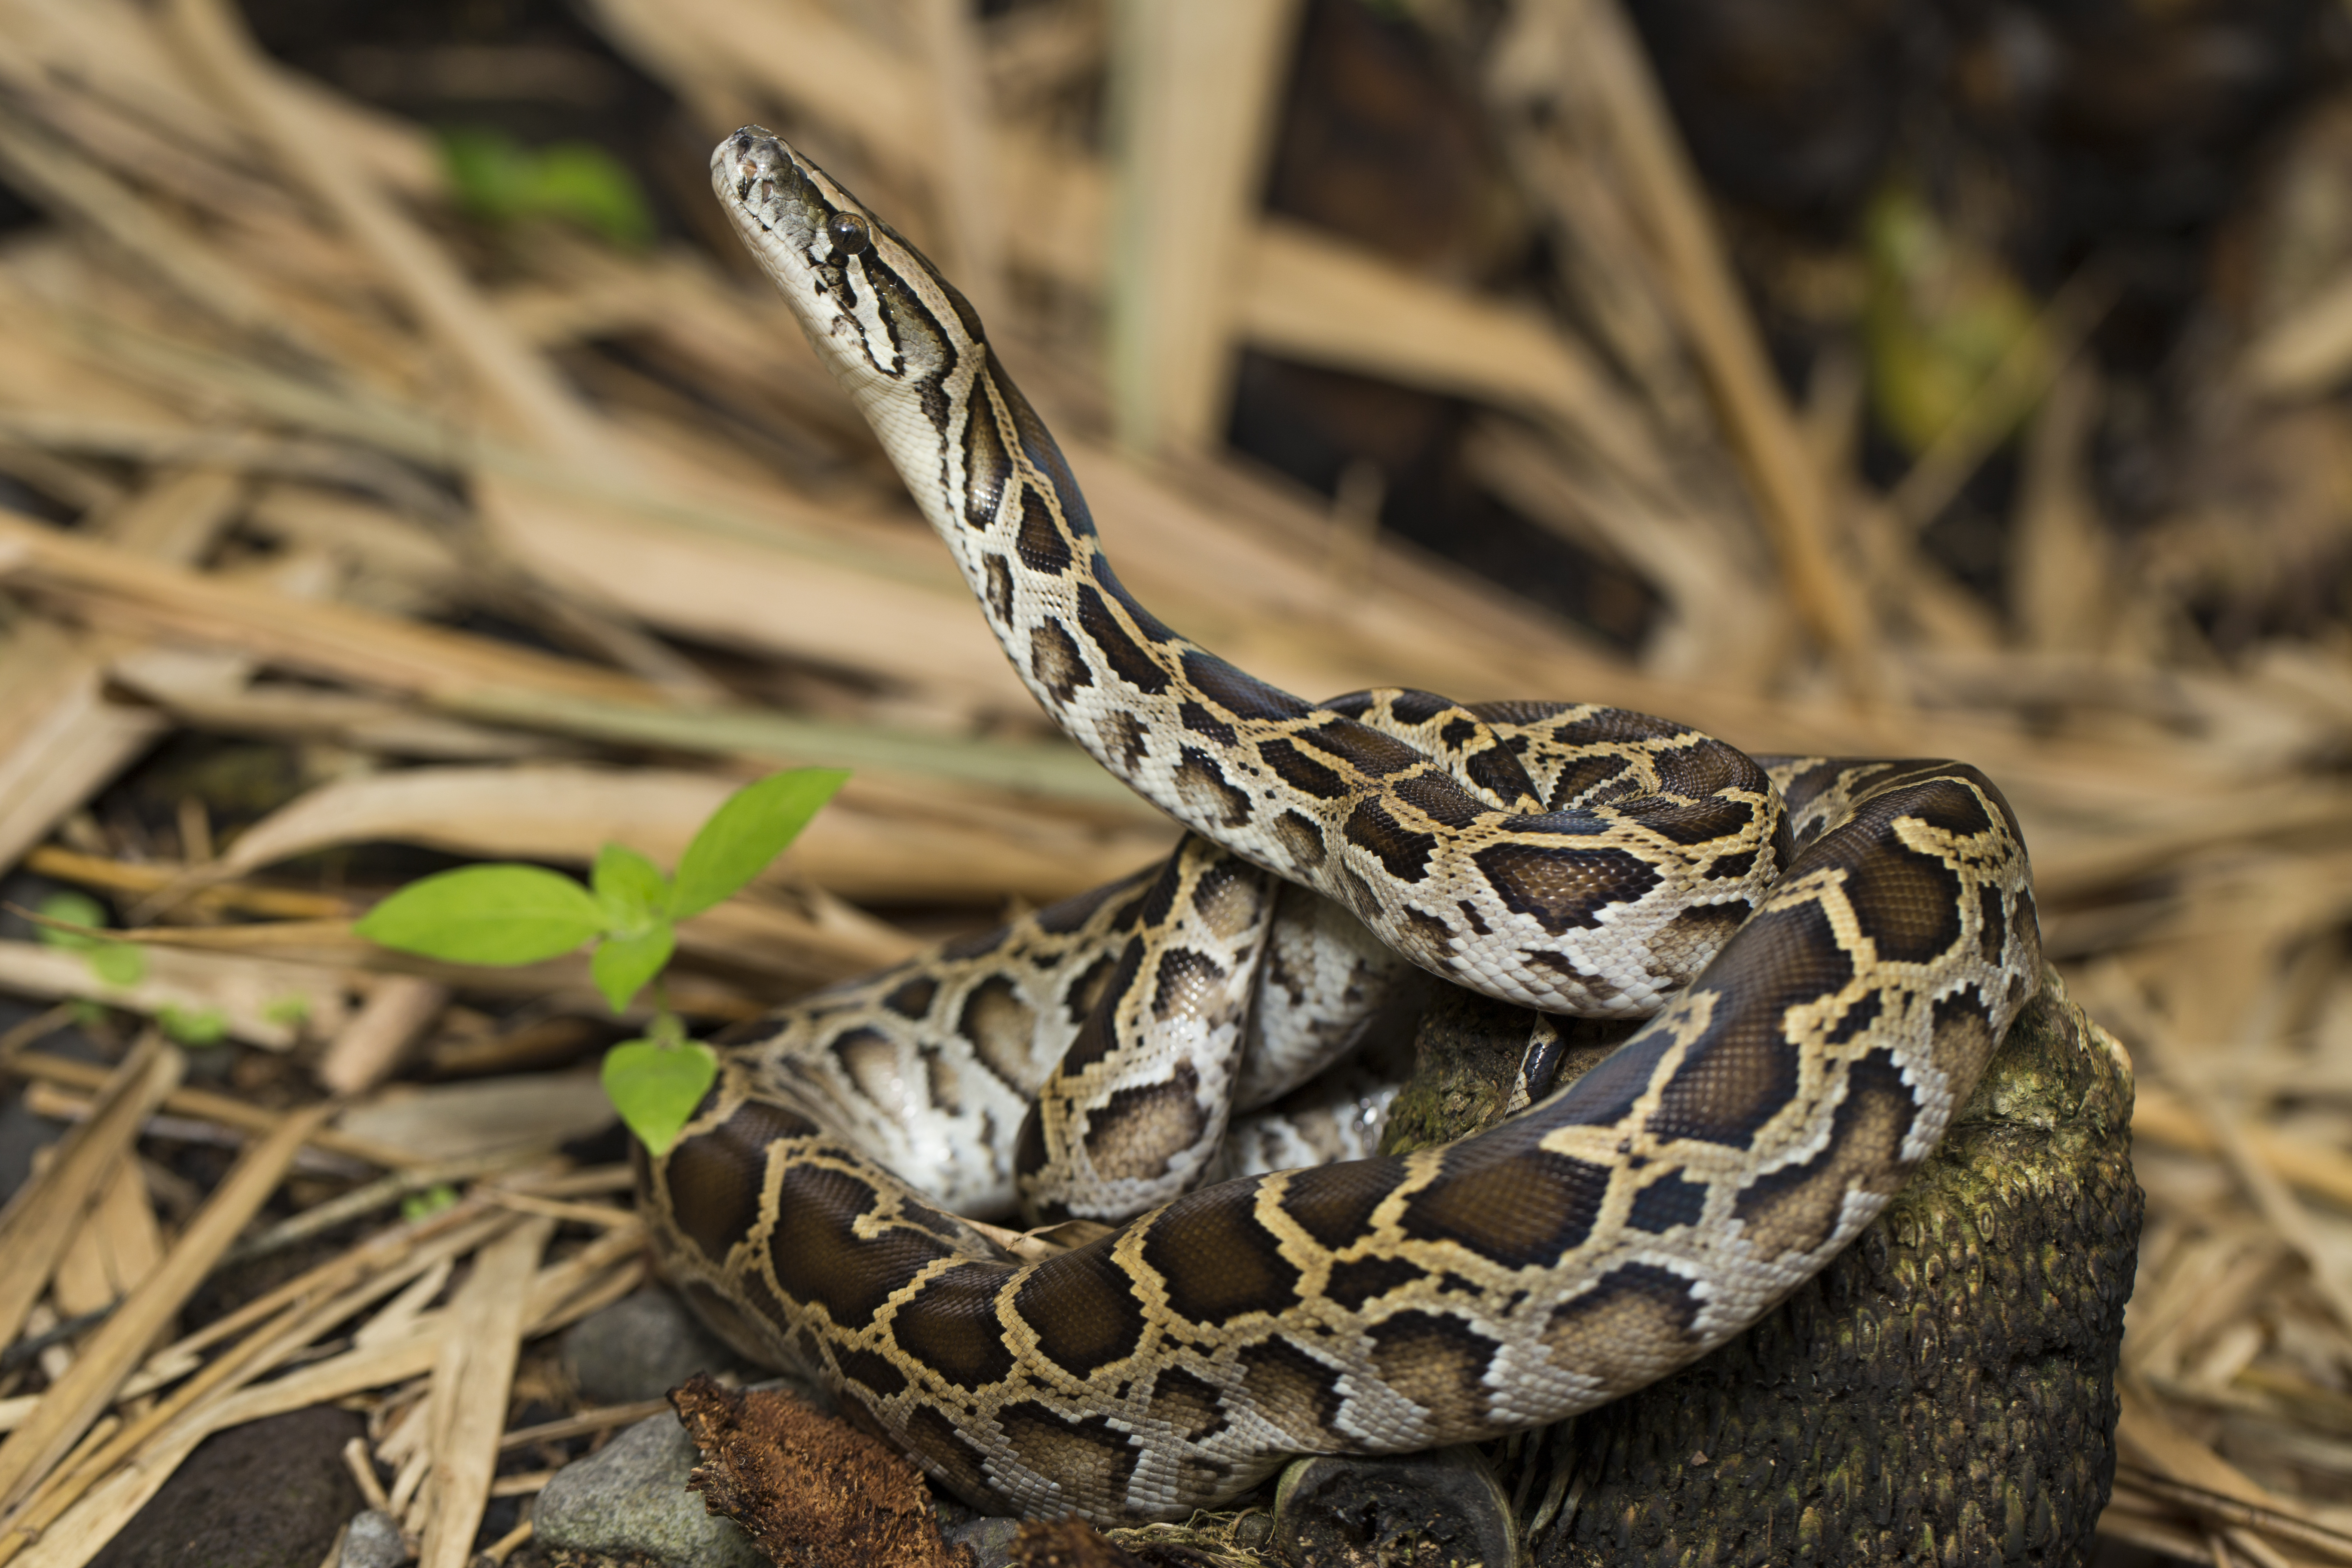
<point>1827,952</point>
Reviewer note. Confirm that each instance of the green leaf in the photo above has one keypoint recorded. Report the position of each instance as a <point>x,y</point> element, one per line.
<point>751,828</point>
<point>632,888</point>
<point>119,963</point>
<point>289,1010</point>
<point>428,1203</point>
<point>624,963</point>
<point>655,1088</point>
<point>74,908</point>
<point>498,179</point>
<point>487,914</point>
<point>194,1027</point>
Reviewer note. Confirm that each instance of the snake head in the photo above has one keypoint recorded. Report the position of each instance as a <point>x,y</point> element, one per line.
<point>873,304</point>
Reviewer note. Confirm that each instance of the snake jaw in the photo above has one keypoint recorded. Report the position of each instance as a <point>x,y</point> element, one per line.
<point>784,209</point>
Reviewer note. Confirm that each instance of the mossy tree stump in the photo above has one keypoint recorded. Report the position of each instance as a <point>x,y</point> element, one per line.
<point>1943,1394</point>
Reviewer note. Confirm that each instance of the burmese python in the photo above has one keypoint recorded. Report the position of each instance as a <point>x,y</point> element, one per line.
<point>1831,951</point>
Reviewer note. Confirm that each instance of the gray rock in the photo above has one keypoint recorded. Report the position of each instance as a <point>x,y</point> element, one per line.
<point>372,1542</point>
<point>630,1497</point>
<point>267,1495</point>
<point>989,1538</point>
<point>641,1347</point>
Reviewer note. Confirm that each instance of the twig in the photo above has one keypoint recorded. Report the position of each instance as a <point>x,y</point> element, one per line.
<point>40,1221</point>
<point>382,1193</point>
<point>362,1468</point>
<point>495,1554</point>
<point>2226,1510</point>
<point>584,1424</point>
<point>113,1353</point>
<point>31,1345</point>
<point>206,1106</point>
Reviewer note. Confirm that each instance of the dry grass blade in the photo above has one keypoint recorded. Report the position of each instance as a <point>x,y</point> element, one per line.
<point>209,1106</point>
<point>1790,493</point>
<point>40,1221</point>
<point>114,1352</point>
<point>1196,87</point>
<point>470,1405</point>
<point>368,649</point>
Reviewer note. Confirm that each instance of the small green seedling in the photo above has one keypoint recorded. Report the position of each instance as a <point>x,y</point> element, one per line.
<point>118,964</point>
<point>428,1203</point>
<point>498,179</point>
<point>506,914</point>
<point>76,922</point>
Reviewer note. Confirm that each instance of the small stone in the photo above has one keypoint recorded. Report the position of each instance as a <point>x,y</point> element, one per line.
<point>1413,1510</point>
<point>270,1494</point>
<point>630,1497</point>
<point>989,1538</point>
<point>641,1347</point>
<point>372,1542</point>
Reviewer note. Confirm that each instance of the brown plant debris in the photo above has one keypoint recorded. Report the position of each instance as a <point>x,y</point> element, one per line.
<point>1067,1543</point>
<point>808,1488</point>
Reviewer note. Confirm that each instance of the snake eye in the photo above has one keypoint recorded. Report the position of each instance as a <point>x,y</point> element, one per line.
<point>847,232</point>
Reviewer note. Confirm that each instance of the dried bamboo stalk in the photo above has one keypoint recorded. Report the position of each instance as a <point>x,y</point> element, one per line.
<point>41,1220</point>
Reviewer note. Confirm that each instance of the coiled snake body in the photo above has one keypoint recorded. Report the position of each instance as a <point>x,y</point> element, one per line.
<point>1831,952</point>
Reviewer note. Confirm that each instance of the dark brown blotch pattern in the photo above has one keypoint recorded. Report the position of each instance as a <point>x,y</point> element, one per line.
<point>1359,1280</point>
<point>1090,1458</point>
<point>1440,800</point>
<point>1302,836</point>
<point>816,1255</point>
<point>1039,543</point>
<point>1214,1258</point>
<point>999,1024</point>
<point>1796,1209</point>
<point>1439,1363</point>
<point>951,1326</point>
<point>953,1456</point>
<point>1138,1130</point>
<point>714,1178</point>
<point>1301,772</point>
<point>1055,662</point>
<point>1292,1389</point>
<point>1187,1405</point>
<point>1627,1328</point>
<point>1203,786</point>
<point>1563,887</point>
<point>1334,1204</point>
<point>1000,589</point>
<point>912,997</point>
<point>1243,696</point>
<point>1082,1308</point>
<point>985,467</point>
<point>1404,853</point>
<point>1522,1207</point>
<point>1742,1071</point>
<point>1099,1032</point>
<point>1126,657</point>
<point>1187,983</point>
<point>1366,750</point>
